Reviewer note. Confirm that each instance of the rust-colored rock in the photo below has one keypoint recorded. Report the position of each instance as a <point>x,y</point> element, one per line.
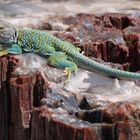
<point>132,38</point>
<point>119,21</point>
<point>32,110</point>
<point>25,122</point>
<point>110,124</point>
<point>69,131</point>
<point>18,96</point>
<point>7,65</point>
<point>108,46</point>
<point>26,93</point>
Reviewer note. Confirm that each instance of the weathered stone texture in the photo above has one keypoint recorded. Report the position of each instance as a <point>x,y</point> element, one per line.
<point>107,38</point>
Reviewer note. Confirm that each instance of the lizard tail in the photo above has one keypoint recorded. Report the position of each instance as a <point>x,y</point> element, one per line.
<point>94,66</point>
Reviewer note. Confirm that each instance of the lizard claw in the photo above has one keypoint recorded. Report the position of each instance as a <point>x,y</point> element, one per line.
<point>68,73</point>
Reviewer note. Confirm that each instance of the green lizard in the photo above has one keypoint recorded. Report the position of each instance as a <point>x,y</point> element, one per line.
<point>60,54</point>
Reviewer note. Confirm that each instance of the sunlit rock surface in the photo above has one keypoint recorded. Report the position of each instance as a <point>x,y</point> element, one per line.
<point>84,83</point>
<point>39,105</point>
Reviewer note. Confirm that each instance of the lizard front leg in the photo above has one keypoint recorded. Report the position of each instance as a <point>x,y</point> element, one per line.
<point>14,49</point>
<point>59,60</point>
<point>2,53</point>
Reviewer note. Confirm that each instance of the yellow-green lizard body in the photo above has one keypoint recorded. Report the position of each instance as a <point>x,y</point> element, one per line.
<point>60,54</point>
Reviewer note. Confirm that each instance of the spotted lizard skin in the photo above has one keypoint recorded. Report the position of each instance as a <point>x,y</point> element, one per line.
<point>60,54</point>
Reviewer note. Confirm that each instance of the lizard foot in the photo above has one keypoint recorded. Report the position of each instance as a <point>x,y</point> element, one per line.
<point>68,71</point>
<point>59,60</point>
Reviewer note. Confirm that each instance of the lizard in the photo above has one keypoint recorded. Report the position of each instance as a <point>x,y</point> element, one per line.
<point>60,54</point>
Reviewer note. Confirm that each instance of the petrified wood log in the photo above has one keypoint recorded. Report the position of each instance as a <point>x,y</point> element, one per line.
<point>120,21</point>
<point>18,96</point>
<point>32,107</point>
<point>132,38</point>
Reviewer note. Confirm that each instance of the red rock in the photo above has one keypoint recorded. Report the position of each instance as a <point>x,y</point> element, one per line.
<point>31,110</point>
<point>120,21</point>
<point>132,37</point>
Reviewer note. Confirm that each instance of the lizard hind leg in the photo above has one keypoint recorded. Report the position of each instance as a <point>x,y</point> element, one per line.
<point>59,60</point>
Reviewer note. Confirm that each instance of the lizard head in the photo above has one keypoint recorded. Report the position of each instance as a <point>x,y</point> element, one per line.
<point>7,33</point>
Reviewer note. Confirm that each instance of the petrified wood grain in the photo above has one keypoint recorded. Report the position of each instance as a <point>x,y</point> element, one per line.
<point>7,66</point>
<point>108,124</point>
<point>31,109</point>
<point>132,38</point>
<point>19,95</point>
<point>117,20</point>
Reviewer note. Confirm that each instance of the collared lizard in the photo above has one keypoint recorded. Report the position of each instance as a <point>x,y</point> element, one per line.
<point>60,54</point>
